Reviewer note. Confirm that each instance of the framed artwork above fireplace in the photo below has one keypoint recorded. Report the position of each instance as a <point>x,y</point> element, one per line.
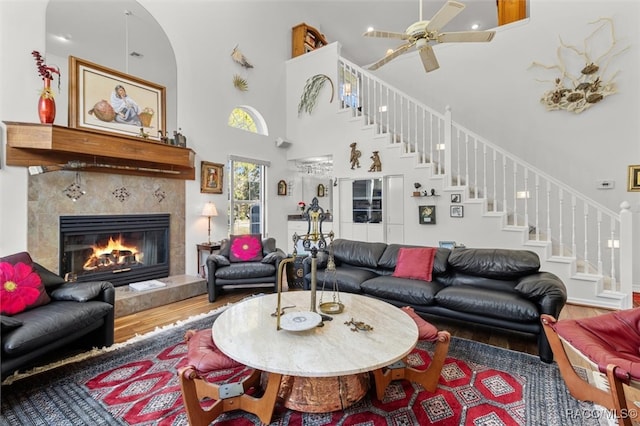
<point>107,100</point>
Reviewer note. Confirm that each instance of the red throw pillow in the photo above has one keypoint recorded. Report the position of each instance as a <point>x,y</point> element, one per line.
<point>426,330</point>
<point>245,248</point>
<point>415,263</point>
<point>204,355</point>
<point>20,288</point>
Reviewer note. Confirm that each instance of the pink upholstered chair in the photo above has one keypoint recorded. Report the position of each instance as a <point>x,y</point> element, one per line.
<point>605,350</point>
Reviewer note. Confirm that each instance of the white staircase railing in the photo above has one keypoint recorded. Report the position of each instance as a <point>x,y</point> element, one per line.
<point>571,225</point>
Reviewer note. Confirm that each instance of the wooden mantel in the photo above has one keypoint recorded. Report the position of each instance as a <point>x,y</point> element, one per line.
<point>55,147</point>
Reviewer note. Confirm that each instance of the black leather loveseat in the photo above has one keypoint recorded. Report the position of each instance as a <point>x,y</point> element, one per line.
<point>492,287</point>
<point>75,316</point>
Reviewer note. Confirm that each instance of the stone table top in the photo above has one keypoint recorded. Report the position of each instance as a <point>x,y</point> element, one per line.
<point>247,333</point>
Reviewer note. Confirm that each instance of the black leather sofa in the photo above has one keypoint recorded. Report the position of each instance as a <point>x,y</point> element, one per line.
<point>79,317</point>
<point>492,287</point>
<point>223,272</point>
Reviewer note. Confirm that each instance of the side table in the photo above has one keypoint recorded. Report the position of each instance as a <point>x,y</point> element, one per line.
<point>208,249</point>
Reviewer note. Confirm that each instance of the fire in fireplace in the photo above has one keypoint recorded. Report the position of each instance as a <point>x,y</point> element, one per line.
<point>118,248</point>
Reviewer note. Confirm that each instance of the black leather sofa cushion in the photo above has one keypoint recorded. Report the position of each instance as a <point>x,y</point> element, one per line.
<point>454,278</point>
<point>348,279</point>
<point>238,271</point>
<point>496,304</point>
<point>51,322</point>
<point>390,256</point>
<point>494,263</point>
<point>414,292</point>
<point>358,253</point>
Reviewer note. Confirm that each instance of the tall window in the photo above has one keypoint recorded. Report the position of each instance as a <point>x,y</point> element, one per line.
<point>247,202</point>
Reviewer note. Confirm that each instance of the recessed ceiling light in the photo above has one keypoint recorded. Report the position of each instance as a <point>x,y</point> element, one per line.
<point>369,29</point>
<point>475,26</point>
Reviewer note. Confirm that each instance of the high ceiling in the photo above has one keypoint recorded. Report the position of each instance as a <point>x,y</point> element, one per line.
<point>390,15</point>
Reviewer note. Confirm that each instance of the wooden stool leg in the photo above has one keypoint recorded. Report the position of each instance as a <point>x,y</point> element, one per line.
<point>427,378</point>
<point>227,397</point>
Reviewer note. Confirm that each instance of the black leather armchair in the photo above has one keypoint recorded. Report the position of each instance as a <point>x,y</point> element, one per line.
<point>79,316</point>
<point>225,271</point>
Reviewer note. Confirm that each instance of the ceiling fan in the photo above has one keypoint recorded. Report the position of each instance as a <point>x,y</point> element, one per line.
<point>422,33</point>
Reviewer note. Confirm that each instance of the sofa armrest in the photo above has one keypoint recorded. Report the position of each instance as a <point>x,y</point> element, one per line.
<point>546,290</point>
<point>274,257</point>
<point>85,291</point>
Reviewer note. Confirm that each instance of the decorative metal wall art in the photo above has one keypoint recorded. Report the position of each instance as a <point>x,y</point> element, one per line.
<point>354,156</point>
<point>311,91</point>
<point>376,164</point>
<point>583,80</point>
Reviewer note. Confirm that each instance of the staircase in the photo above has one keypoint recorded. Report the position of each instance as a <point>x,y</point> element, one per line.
<point>588,245</point>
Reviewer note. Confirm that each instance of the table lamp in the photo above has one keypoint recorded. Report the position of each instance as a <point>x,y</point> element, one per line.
<point>209,210</point>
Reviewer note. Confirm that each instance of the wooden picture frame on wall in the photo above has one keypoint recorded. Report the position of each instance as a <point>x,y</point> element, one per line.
<point>96,101</point>
<point>634,178</point>
<point>211,175</point>
<point>427,215</point>
<point>282,187</point>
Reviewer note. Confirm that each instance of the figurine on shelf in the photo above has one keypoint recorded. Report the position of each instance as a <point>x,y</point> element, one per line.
<point>143,134</point>
<point>180,139</point>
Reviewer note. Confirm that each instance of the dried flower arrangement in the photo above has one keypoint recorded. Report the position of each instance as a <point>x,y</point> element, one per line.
<point>46,72</point>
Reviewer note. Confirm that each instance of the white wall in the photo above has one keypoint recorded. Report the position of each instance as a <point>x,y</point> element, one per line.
<point>21,31</point>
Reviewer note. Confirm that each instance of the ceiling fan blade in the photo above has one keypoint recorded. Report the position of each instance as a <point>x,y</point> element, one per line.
<point>468,36</point>
<point>399,51</point>
<point>429,60</point>
<point>386,34</point>
<point>446,13</point>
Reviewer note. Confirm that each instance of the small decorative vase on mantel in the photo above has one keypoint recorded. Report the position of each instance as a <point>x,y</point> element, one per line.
<point>46,104</point>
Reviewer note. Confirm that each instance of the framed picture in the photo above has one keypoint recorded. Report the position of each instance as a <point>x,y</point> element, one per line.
<point>456,198</point>
<point>456,211</point>
<point>447,244</point>
<point>282,187</point>
<point>107,100</point>
<point>427,215</point>
<point>634,178</point>
<point>211,177</point>
<point>321,190</point>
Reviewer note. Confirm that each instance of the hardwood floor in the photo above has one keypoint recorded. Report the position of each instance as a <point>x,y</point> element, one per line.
<point>146,321</point>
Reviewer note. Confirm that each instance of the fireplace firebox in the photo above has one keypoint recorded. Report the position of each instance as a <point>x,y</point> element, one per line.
<point>118,248</point>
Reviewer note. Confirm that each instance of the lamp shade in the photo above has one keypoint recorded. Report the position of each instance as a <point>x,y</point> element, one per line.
<point>209,209</point>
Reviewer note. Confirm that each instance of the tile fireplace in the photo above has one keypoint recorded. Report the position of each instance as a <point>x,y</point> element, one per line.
<point>118,248</point>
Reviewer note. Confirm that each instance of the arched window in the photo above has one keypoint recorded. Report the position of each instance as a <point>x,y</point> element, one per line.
<point>248,118</point>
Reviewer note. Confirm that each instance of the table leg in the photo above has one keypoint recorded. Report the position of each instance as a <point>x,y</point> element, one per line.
<point>228,397</point>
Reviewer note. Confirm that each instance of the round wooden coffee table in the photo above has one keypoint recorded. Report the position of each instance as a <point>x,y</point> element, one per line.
<point>335,354</point>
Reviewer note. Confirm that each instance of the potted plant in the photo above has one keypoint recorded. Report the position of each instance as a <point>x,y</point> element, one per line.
<point>417,186</point>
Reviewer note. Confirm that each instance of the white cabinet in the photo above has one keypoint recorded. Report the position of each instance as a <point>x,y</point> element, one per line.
<point>394,209</point>
<point>362,210</point>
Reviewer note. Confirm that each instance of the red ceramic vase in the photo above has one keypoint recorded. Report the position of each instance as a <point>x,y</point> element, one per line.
<point>46,104</point>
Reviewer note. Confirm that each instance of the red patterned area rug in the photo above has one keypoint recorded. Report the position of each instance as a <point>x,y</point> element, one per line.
<point>138,385</point>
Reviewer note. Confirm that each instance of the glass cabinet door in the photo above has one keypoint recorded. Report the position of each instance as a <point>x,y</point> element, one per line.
<point>367,201</point>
